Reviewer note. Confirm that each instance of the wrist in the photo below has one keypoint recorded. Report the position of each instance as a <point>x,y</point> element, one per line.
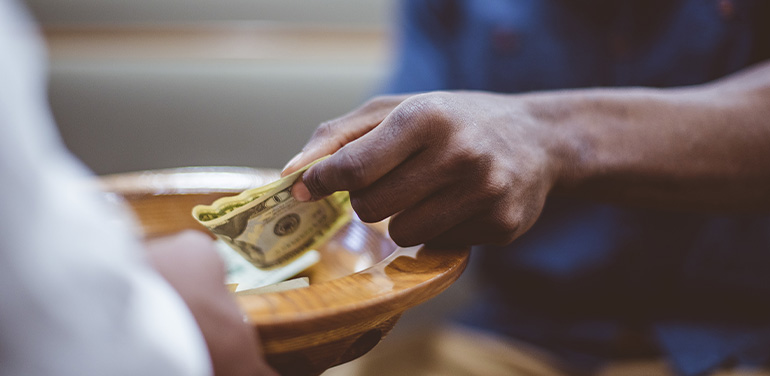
<point>565,140</point>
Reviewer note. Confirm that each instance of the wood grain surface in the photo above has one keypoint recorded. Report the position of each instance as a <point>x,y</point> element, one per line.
<point>357,292</point>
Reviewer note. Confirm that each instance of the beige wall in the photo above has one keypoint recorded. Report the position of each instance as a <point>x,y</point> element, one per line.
<point>336,12</point>
<point>149,84</point>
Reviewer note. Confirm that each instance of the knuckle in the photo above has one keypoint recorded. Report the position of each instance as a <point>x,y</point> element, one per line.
<point>420,119</point>
<point>403,118</point>
<point>467,157</point>
<point>325,130</point>
<point>495,183</point>
<point>435,106</point>
<point>468,154</point>
<point>505,226</point>
<point>431,108</point>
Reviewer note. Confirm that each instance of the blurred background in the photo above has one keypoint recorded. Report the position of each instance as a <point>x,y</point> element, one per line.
<point>149,84</point>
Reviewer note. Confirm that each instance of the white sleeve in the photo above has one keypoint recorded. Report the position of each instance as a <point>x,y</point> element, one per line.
<point>76,295</point>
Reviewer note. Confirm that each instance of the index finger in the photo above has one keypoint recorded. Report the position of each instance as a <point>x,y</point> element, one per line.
<point>365,160</point>
<point>330,136</point>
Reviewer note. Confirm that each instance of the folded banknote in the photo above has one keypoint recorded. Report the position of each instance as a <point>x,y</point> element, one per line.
<point>268,227</point>
<point>243,275</point>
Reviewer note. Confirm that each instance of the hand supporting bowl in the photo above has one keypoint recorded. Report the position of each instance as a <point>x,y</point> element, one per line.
<point>357,292</point>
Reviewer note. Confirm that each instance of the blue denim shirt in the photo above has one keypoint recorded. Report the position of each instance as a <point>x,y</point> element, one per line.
<point>589,276</point>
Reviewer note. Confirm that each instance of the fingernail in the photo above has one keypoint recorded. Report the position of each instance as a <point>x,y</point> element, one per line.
<point>291,162</point>
<point>300,191</point>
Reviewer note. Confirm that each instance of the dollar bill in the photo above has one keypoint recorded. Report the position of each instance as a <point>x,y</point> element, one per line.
<point>243,275</point>
<point>268,227</point>
<point>292,284</point>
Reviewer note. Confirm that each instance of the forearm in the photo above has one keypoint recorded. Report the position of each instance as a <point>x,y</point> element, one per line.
<point>703,147</point>
<point>459,168</point>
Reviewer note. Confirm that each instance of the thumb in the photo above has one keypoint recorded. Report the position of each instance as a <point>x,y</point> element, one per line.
<point>319,181</point>
<point>346,170</point>
<point>361,162</point>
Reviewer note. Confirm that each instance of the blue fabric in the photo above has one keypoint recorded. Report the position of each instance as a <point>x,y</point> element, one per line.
<point>588,274</point>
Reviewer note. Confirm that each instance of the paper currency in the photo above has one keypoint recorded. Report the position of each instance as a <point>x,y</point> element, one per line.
<point>292,284</point>
<point>242,275</point>
<point>268,227</point>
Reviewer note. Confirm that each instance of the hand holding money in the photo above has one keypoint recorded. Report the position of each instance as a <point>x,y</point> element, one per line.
<point>268,227</point>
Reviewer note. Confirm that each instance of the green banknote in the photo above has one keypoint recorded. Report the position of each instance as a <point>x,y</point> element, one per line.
<point>268,227</point>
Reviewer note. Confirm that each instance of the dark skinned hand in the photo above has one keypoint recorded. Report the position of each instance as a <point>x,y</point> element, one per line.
<point>452,169</point>
<point>463,168</point>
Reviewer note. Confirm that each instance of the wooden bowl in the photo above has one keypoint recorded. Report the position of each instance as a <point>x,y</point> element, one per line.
<point>357,292</point>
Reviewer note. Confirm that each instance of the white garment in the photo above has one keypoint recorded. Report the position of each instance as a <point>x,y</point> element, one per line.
<point>76,295</point>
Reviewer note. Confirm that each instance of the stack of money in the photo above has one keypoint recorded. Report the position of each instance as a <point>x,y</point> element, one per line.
<point>268,227</point>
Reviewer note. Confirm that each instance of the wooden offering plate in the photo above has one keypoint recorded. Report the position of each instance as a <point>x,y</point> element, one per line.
<point>357,292</point>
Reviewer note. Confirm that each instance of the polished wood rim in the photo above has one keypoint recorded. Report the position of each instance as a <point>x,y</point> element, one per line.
<point>304,331</point>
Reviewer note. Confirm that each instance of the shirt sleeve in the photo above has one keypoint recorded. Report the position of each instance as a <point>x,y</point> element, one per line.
<point>78,297</point>
<point>425,37</point>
